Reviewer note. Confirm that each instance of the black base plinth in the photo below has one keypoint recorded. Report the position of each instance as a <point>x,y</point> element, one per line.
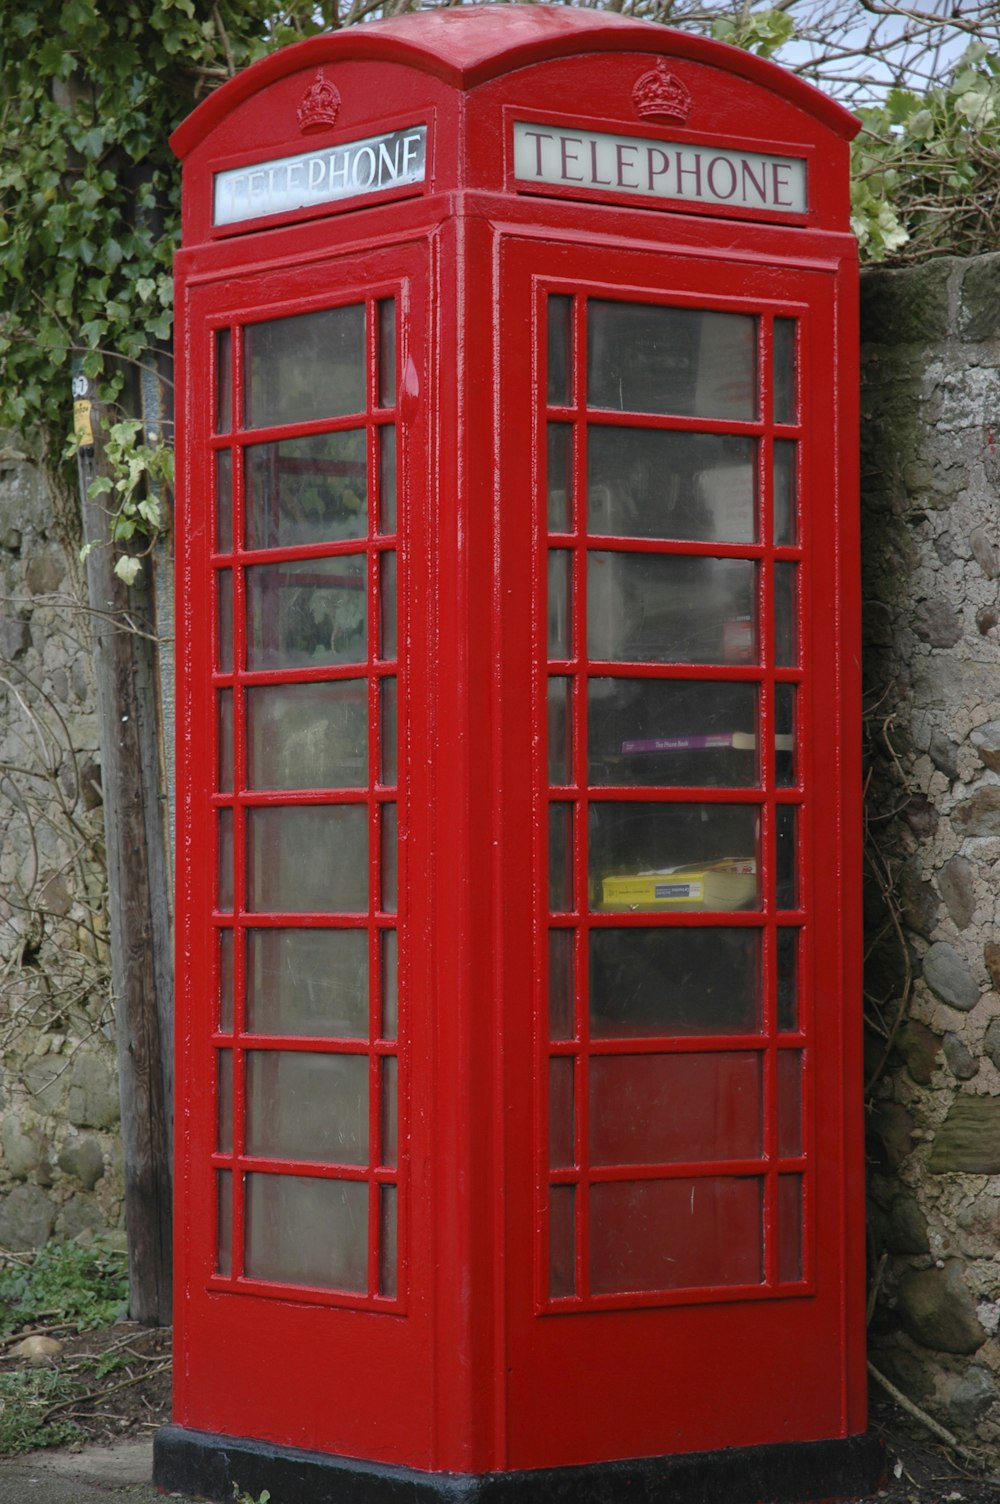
<point>199,1463</point>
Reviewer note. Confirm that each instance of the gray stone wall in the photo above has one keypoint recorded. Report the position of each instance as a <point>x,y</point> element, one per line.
<point>931,584</point>
<point>60,1158</point>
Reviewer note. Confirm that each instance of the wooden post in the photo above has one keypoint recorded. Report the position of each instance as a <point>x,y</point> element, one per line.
<point>123,627</point>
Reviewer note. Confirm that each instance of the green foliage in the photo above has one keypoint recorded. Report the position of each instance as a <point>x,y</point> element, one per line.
<point>761,32</point>
<point>141,466</point>
<point>30,1402</point>
<point>80,1286</point>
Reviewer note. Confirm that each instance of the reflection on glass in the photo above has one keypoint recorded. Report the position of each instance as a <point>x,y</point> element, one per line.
<point>226,980</point>
<point>390,983</point>
<point>673,1234</point>
<point>387,353</point>
<point>560,484</point>
<point>225,741</point>
<point>305,367</point>
<point>224,621</point>
<point>672,733</point>
<point>647,982</point>
<point>308,982</point>
<point>660,608</point>
<point>789,1227</point>
<point>225,869</point>
<point>785,406</point>
<point>562,1008</point>
<point>785,491</point>
<point>224,1204</point>
<point>387,479</point>
<point>562,1240</point>
<point>673,858</point>
<point>786,635</point>
<point>388,1238</point>
<point>390,1110</point>
<point>388,731</point>
<point>308,859</point>
<point>560,858</point>
<point>788,972</point>
<point>312,490</point>
<point>223,380</point>
<point>647,483</point>
<point>390,859</point>
<point>686,361</point>
<point>562,1131</point>
<point>387,588</point>
<point>786,865</point>
<point>675,1109</point>
<point>789,1102</point>
<point>560,604</point>
<point>307,736</point>
<point>224,1100</point>
<point>307,612</point>
<point>307,1106</point>
<point>560,350</point>
<point>560,730</point>
<point>307,1232</point>
<point>784,736</point>
<point>224,501</point>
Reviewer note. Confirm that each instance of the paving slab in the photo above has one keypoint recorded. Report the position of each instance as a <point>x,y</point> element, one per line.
<point>93,1475</point>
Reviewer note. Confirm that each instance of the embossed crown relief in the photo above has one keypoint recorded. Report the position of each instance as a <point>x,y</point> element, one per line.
<point>659,95</point>
<point>319,105</point>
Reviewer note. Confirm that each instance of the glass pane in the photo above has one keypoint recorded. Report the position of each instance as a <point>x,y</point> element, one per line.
<point>224,501</point>
<point>560,350</point>
<point>307,1106</point>
<point>311,490</point>
<point>562,1007</point>
<point>388,1238</point>
<point>659,608</point>
<point>308,859</point>
<point>785,406</point>
<point>647,982</point>
<point>671,733</point>
<point>226,950</point>
<point>670,1234</point>
<point>786,865</point>
<point>789,1103</point>
<point>562,1240</point>
<point>789,1227</point>
<point>306,367</point>
<point>388,731</point>
<point>387,588</point>
<point>224,1203</point>
<point>225,870</point>
<point>652,484</point>
<point>306,612</point>
<point>560,477</point>
<point>785,468</point>
<point>224,620</point>
<point>785,775</point>
<point>390,1111</point>
<point>390,859</point>
<point>307,1232</point>
<point>223,380</point>
<point>307,736</point>
<point>687,361</point>
<point>562,1131</point>
<point>224,1100</point>
<point>308,982</point>
<point>786,635</point>
<point>387,353</point>
<point>225,741</point>
<point>788,971</point>
<point>673,857</point>
<point>560,604</point>
<point>560,858</point>
<point>560,730</point>
<point>390,983</point>
<point>387,479</point>
<point>675,1109</point>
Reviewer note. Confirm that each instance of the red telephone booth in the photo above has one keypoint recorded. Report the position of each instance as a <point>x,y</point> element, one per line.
<point>519,1098</point>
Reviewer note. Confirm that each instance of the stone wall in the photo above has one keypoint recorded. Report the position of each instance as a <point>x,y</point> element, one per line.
<point>931,571</point>
<point>60,1157</point>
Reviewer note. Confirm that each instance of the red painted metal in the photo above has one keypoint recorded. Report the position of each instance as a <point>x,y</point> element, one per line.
<point>473,1356</point>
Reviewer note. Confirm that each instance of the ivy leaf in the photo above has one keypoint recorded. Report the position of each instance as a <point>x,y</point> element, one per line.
<point>128,568</point>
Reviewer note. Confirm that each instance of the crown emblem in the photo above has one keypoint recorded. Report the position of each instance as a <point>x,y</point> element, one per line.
<point>319,105</point>
<point>658,95</point>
